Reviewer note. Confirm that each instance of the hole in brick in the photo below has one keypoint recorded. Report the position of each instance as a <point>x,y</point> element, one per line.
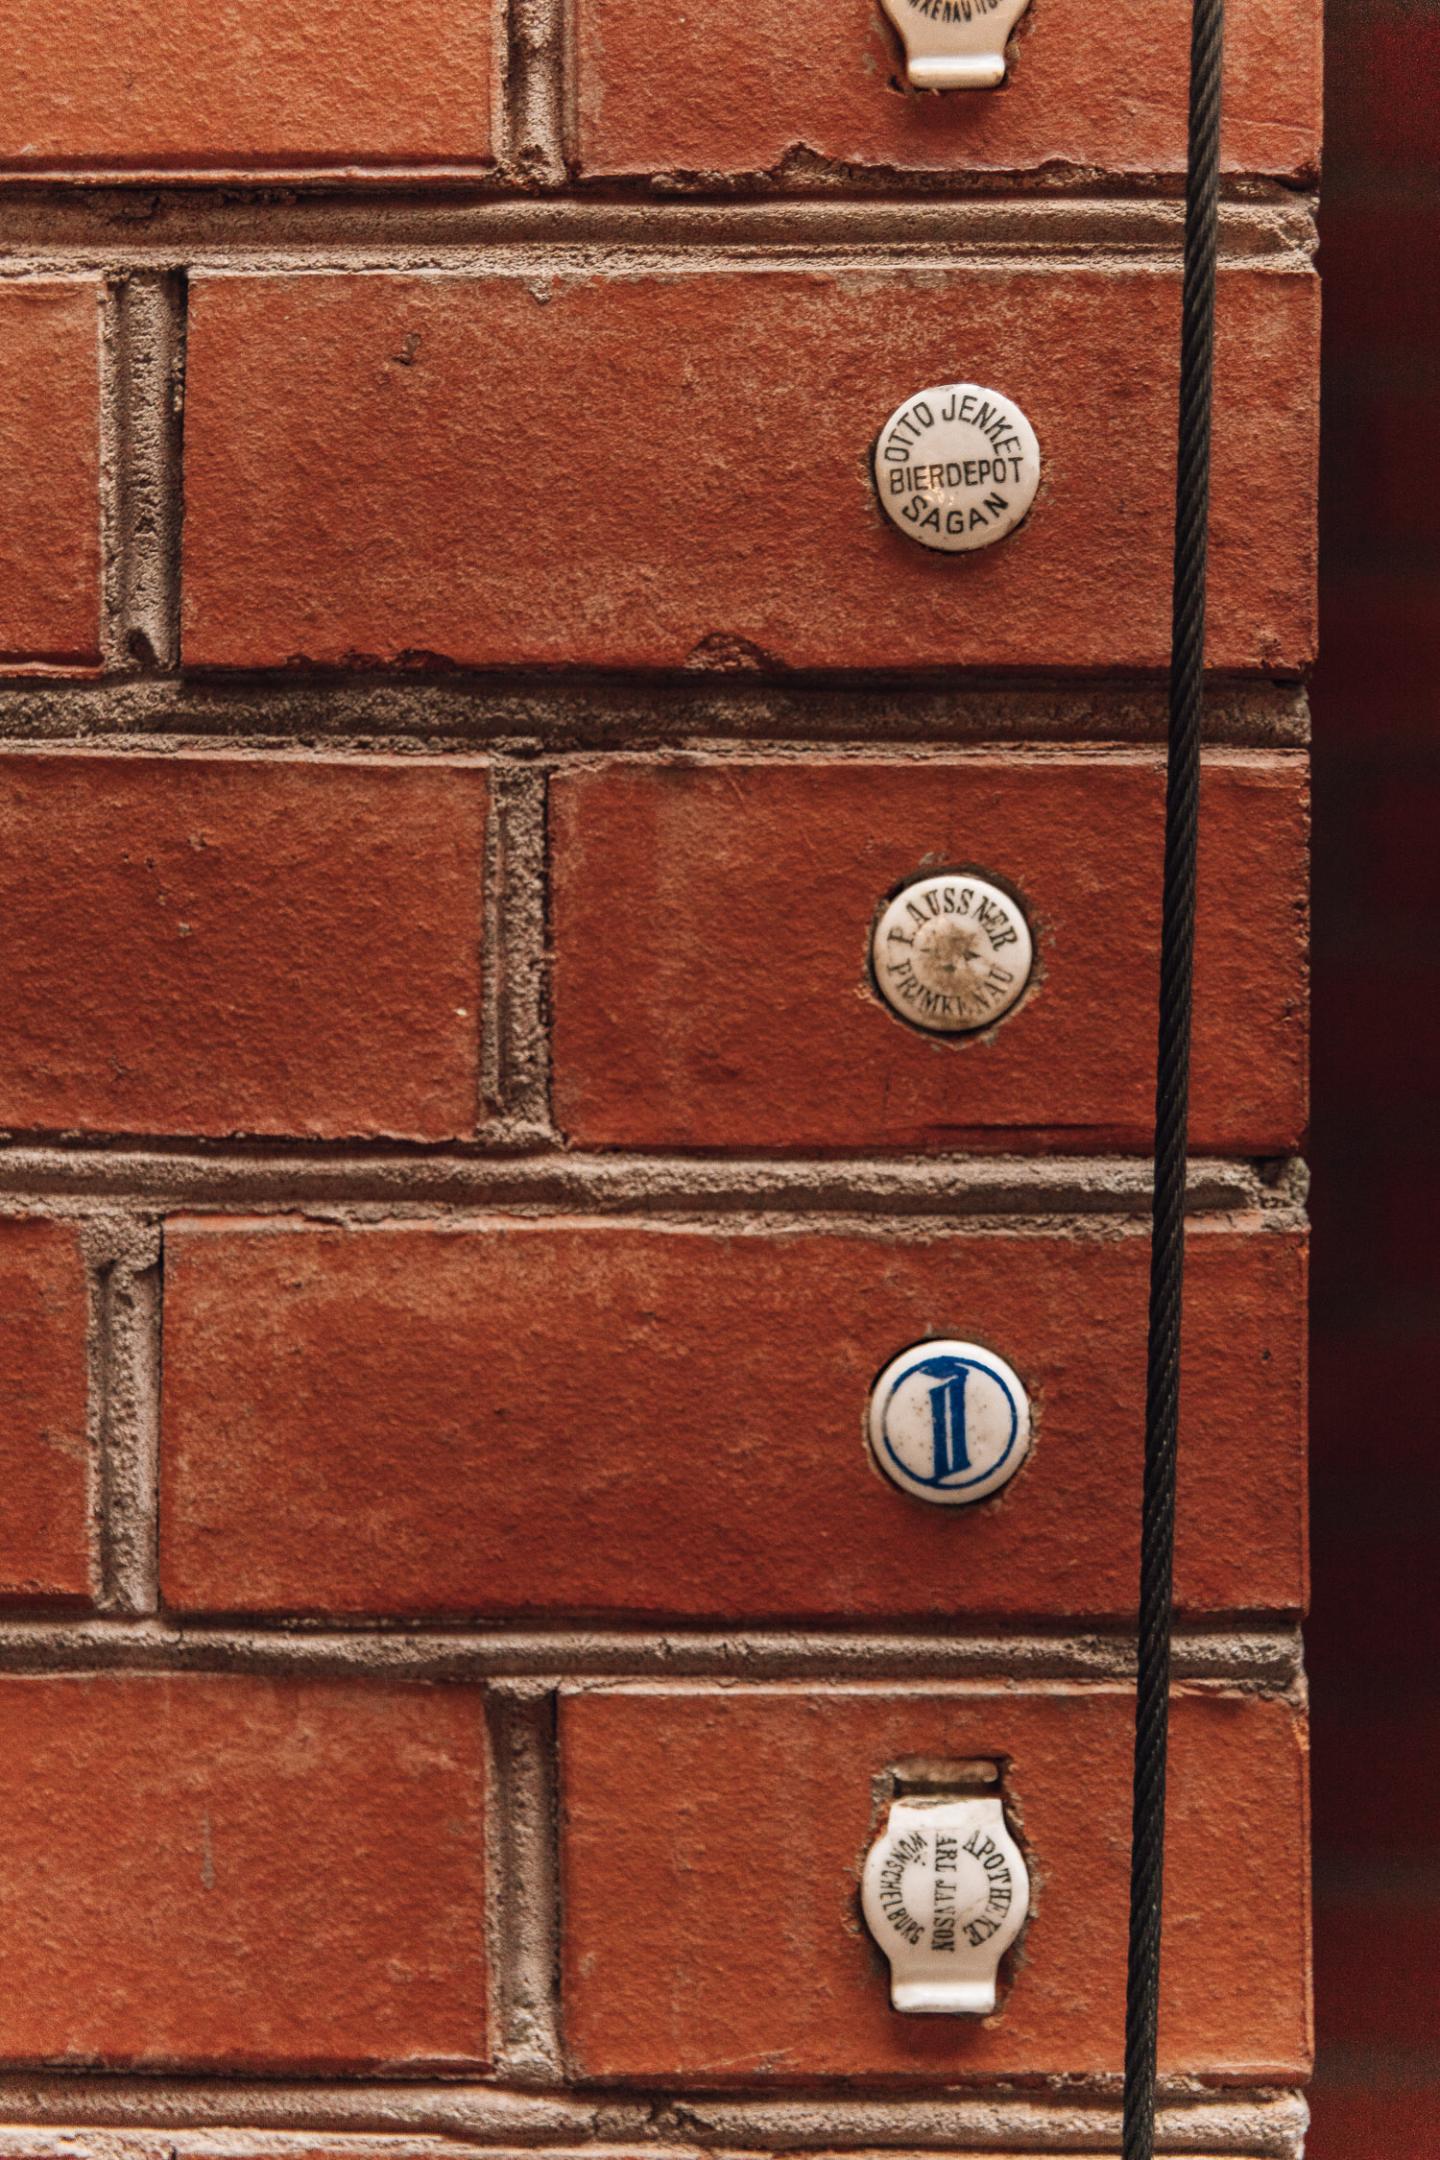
<point>926,1776</point>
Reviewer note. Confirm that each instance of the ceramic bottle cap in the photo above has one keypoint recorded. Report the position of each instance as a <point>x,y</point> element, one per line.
<point>945,1893</point>
<point>955,44</point>
<point>957,467</point>
<point>951,953</point>
<point>949,1423</point>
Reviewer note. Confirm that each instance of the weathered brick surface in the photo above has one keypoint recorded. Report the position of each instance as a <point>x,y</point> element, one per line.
<point>684,1434</point>
<point>220,944</point>
<point>49,470</point>
<point>664,470</point>
<point>149,85</point>
<point>712,1843</point>
<point>711,928</point>
<point>456,1641</point>
<point>792,85</point>
<point>239,1873</point>
<point>45,1545</point>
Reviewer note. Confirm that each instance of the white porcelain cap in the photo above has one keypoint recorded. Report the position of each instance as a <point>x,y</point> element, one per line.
<point>945,1894</point>
<point>957,467</point>
<point>955,44</point>
<point>949,1422</point>
<point>952,953</point>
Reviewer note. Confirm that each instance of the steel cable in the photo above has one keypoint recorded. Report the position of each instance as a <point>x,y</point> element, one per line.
<point>1172,1087</point>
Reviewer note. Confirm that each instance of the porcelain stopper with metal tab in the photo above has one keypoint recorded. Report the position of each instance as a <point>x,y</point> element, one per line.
<point>955,44</point>
<point>945,1893</point>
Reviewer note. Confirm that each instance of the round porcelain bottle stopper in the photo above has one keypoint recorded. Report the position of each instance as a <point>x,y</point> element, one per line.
<point>945,1893</point>
<point>957,467</point>
<point>951,953</point>
<point>949,1423</point>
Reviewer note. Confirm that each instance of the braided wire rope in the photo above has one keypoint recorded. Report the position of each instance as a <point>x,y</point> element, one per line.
<point>1172,1085</point>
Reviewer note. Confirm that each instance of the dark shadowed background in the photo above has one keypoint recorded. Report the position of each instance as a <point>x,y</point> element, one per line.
<point>1374,1638</point>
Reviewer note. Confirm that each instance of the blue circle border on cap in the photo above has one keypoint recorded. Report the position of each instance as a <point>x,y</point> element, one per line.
<point>945,1364</point>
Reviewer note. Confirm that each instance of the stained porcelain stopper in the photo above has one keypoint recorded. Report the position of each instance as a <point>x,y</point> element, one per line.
<point>945,1893</point>
<point>952,953</point>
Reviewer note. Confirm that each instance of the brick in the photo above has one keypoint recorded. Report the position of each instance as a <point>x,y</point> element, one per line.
<point>44,1445</point>
<point>227,944</point>
<point>369,1422</point>
<point>794,85</point>
<point>711,1845</point>
<point>152,85</point>
<point>711,922</point>
<point>49,470</point>
<point>625,470</point>
<point>235,1873</point>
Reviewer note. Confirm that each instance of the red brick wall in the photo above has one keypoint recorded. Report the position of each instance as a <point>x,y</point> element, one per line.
<point>462,707</point>
<point>1377,1499</point>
